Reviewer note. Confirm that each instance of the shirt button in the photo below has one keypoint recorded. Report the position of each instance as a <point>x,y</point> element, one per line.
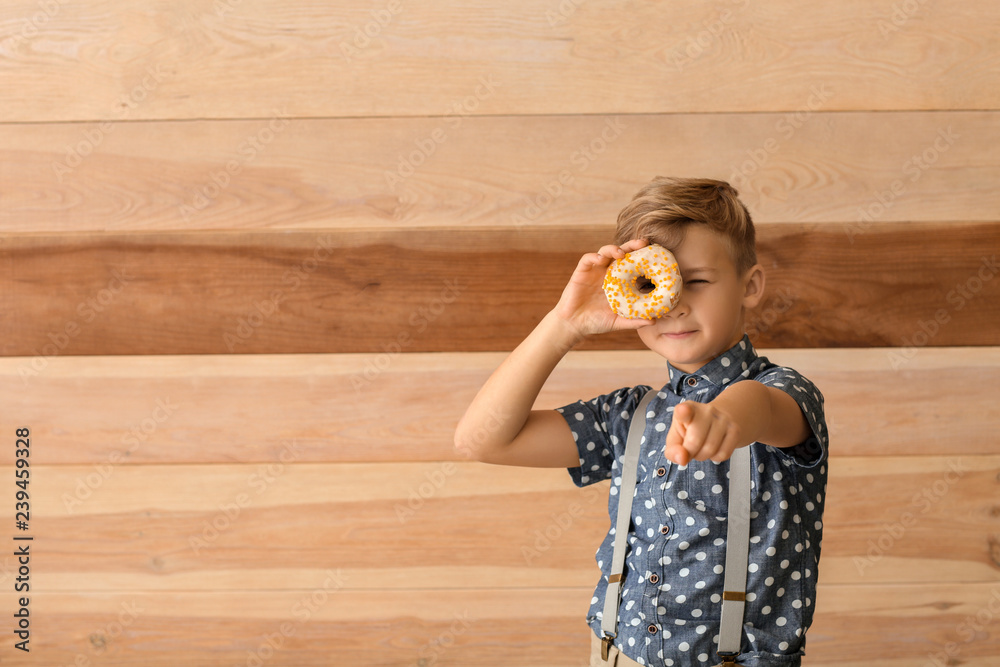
<point>665,529</point>
<point>653,578</point>
<point>692,381</point>
<point>652,629</point>
<point>660,472</point>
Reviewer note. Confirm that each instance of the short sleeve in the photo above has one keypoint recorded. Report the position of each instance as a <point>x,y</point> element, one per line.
<point>814,449</point>
<point>600,429</point>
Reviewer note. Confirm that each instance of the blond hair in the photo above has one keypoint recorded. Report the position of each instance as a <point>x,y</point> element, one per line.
<point>662,210</point>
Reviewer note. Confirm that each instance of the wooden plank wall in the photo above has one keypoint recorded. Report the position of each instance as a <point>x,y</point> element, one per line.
<point>258,256</point>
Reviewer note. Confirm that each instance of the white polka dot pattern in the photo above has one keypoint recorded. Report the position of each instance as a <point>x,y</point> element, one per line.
<point>679,520</point>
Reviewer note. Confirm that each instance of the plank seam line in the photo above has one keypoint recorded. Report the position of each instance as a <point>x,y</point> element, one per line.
<point>602,114</point>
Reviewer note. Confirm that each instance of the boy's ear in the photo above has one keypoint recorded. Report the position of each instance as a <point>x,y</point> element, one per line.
<point>753,281</point>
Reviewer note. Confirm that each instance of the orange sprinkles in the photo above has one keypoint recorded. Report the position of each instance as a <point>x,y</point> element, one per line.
<point>657,265</point>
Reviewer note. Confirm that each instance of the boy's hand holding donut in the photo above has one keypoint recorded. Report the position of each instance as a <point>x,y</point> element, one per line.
<point>583,305</point>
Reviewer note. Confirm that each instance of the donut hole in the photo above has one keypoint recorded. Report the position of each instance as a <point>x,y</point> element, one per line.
<point>644,285</point>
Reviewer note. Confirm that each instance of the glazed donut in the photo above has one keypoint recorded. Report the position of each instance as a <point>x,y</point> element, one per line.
<point>645,283</point>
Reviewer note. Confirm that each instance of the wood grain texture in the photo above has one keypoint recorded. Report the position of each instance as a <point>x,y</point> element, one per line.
<point>254,264</point>
<point>855,169</point>
<point>394,291</point>
<point>332,408</point>
<point>473,628</point>
<point>202,59</point>
<point>455,525</point>
<point>299,562</point>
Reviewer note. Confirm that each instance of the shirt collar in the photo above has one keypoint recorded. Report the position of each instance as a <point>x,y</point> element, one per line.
<point>735,363</point>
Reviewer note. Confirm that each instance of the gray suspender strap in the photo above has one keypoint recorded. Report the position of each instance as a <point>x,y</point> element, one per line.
<point>737,551</point>
<point>737,542</point>
<point>630,466</point>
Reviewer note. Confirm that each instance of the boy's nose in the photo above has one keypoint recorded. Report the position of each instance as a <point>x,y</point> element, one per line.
<point>679,310</point>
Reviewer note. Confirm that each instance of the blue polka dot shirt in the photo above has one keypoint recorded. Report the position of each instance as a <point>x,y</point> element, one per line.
<point>671,594</point>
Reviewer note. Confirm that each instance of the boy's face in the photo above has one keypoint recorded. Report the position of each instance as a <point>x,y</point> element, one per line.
<point>708,320</point>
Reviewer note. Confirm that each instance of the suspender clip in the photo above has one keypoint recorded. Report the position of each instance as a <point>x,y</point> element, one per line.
<point>606,646</point>
<point>728,659</point>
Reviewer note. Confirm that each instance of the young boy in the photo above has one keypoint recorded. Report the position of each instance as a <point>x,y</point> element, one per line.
<point>718,396</point>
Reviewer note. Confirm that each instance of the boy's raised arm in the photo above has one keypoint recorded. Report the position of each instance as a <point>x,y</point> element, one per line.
<point>744,413</point>
<point>499,425</point>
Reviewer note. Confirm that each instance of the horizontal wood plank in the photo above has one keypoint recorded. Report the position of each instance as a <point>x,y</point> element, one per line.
<point>455,525</point>
<point>242,315</point>
<point>221,409</point>
<point>469,628</point>
<point>416,291</point>
<point>198,59</point>
<point>855,169</point>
